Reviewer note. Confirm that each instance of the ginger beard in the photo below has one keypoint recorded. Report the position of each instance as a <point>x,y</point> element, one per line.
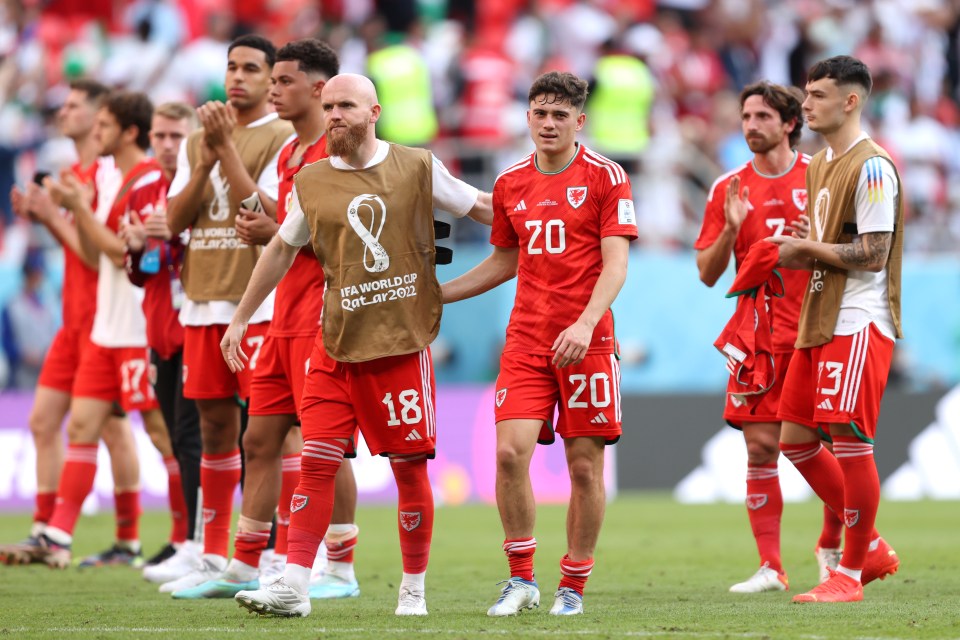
<point>344,140</point>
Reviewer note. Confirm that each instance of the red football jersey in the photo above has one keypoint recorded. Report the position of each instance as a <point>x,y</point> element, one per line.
<point>775,201</point>
<point>299,298</point>
<point>557,220</point>
<point>164,331</point>
<point>79,280</point>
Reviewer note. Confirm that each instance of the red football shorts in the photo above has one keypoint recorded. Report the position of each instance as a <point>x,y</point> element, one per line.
<point>277,384</point>
<point>762,407</point>
<point>840,382</point>
<point>117,374</point>
<point>391,400</point>
<point>60,366</point>
<point>206,375</point>
<point>586,395</point>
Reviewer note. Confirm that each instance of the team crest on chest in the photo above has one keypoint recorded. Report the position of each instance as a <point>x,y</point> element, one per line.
<point>576,196</point>
<point>800,199</point>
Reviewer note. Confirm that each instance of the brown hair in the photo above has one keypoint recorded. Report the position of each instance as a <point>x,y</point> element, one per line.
<point>559,86</point>
<point>177,111</point>
<point>786,101</point>
<point>96,91</point>
<point>132,109</point>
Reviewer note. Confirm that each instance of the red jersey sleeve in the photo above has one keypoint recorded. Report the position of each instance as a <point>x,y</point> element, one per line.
<point>617,214</point>
<point>713,216</point>
<point>502,233</point>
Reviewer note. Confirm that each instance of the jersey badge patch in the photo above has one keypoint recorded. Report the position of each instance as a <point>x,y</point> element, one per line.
<point>576,196</point>
<point>625,213</point>
<point>800,199</point>
<point>298,502</point>
<point>501,396</point>
<point>756,500</point>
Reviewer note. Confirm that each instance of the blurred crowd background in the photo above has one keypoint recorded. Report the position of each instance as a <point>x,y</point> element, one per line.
<point>453,75</point>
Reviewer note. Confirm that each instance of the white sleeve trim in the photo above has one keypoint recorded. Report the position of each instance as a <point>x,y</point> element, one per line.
<point>451,194</point>
<point>182,177</point>
<point>295,231</point>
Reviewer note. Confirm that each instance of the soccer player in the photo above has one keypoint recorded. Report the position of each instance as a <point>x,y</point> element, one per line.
<point>76,118</point>
<point>849,321</point>
<point>299,74</point>
<point>232,156</point>
<point>367,211</point>
<point>766,195</point>
<point>564,218</point>
<point>114,368</point>
<point>154,260</point>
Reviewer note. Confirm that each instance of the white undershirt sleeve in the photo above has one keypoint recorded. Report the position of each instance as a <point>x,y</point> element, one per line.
<point>877,194</point>
<point>451,194</point>
<point>295,231</point>
<point>182,177</point>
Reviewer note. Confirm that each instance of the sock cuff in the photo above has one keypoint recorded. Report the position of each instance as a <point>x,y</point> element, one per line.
<point>341,532</point>
<point>520,545</point>
<point>249,525</point>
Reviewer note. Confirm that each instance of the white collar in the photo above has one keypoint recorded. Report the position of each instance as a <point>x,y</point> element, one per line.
<point>863,136</point>
<point>381,154</point>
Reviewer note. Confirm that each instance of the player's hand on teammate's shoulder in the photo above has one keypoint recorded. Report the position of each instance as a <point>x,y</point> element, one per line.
<point>255,227</point>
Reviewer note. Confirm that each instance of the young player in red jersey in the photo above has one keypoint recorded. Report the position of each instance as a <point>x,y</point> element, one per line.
<point>299,74</point>
<point>52,397</point>
<point>849,321</point>
<point>370,367</point>
<point>114,368</point>
<point>154,260</point>
<point>766,196</point>
<point>563,222</point>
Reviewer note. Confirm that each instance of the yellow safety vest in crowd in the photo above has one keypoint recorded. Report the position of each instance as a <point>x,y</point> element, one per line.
<point>403,87</point>
<point>618,112</point>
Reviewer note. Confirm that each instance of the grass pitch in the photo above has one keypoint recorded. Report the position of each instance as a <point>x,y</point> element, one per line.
<point>662,571</point>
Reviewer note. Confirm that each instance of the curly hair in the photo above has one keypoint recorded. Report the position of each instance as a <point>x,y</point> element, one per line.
<point>559,86</point>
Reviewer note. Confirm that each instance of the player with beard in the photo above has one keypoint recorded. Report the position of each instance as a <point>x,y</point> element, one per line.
<point>57,377</point>
<point>231,157</point>
<point>299,74</point>
<point>766,195</point>
<point>154,259</point>
<point>367,211</point>
<point>114,368</point>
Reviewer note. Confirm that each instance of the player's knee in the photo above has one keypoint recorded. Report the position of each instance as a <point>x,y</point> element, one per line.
<point>510,459</point>
<point>257,446</point>
<point>80,431</point>
<point>584,471</point>
<point>763,451</point>
<point>43,426</point>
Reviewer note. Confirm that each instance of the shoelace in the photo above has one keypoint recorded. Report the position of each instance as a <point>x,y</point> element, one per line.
<point>511,586</point>
<point>410,598</point>
<point>569,597</point>
<point>831,585</point>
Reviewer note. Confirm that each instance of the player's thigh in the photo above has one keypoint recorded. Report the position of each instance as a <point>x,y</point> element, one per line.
<point>49,408</point>
<point>853,376</point>
<point>205,374</point>
<point>271,387</point>
<point>327,409</point>
<point>394,400</point>
<point>798,395</point>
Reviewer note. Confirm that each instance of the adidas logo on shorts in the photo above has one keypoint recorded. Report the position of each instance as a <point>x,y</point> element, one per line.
<point>600,419</point>
<point>414,435</point>
<point>826,405</point>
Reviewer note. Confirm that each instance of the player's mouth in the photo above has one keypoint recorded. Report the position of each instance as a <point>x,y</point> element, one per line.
<point>238,93</point>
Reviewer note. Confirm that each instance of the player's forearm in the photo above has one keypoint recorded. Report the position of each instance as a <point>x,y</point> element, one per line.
<point>66,234</point>
<point>272,265</point>
<point>184,208</point>
<point>605,291</point>
<point>102,239</point>
<point>713,261</point>
<point>241,184</point>
<point>496,269</point>
<point>482,210</point>
<point>868,252</point>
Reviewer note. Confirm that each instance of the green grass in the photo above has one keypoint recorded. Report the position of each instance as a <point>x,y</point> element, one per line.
<point>662,571</point>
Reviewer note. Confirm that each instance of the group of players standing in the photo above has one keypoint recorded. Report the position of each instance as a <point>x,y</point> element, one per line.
<point>233,285</point>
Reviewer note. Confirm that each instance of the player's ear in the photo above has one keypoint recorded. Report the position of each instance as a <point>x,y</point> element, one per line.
<point>581,120</point>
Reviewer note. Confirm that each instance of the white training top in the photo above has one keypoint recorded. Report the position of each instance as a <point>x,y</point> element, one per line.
<point>865,296</point>
<point>202,314</point>
<point>449,194</point>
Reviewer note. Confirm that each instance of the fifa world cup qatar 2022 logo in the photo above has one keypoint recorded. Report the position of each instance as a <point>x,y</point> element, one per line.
<point>368,206</point>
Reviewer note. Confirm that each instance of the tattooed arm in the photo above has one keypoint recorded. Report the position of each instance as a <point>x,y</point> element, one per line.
<point>867,252</point>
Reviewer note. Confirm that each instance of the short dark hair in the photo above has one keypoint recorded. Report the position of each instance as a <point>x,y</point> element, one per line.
<point>843,70</point>
<point>312,56</point>
<point>95,91</point>
<point>786,101</point>
<point>562,85</point>
<point>254,41</point>
<point>132,109</point>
